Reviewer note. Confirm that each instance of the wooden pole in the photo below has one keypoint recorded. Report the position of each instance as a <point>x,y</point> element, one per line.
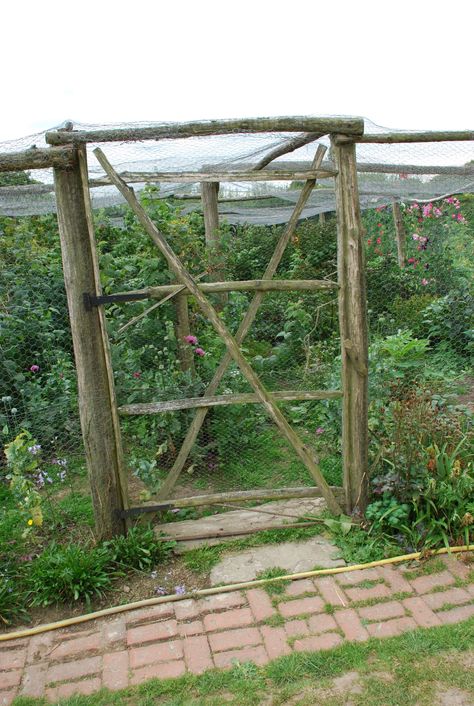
<point>400,234</point>
<point>209,196</point>
<point>36,159</point>
<point>231,343</point>
<point>102,447</point>
<point>182,329</point>
<point>353,329</point>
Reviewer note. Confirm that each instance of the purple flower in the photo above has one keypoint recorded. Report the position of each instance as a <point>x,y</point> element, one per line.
<point>199,351</point>
<point>160,591</point>
<point>320,430</point>
<point>36,448</point>
<point>192,340</point>
<point>180,590</point>
<point>34,368</point>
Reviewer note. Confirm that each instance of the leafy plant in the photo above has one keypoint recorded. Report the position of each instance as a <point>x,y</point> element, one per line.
<point>138,549</point>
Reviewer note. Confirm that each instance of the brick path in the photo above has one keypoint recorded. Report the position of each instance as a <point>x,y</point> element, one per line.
<point>194,635</point>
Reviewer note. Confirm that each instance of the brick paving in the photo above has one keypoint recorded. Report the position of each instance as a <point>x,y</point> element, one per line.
<point>194,635</point>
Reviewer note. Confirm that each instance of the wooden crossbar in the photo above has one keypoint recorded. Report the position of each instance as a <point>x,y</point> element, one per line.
<point>226,176</point>
<point>221,400</point>
<point>231,343</point>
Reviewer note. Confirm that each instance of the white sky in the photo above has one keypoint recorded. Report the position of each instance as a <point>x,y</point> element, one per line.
<point>404,64</point>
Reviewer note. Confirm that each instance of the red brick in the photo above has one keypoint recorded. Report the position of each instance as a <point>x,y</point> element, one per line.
<point>74,633</point>
<point>301,606</point>
<point>157,652</point>
<point>320,642</point>
<point>151,614</point>
<point>86,686</point>
<point>8,679</point>
<point>382,611</point>
<point>221,601</point>
<point>352,578</point>
<point>34,680</point>
<point>470,589</point>
<point>249,654</point>
<point>296,588</point>
<point>395,579</point>
<point>365,594</point>
<point>322,623</point>
<point>196,627</point>
<point>456,615</point>
<point>456,567</point>
<point>114,631</point>
<point>421,612</point>
<point>6,697</point>
<point>152,632</point>
<point>456,596</point>
<point>165,670</point>
<point>12,659</point>
<point>331,592</point>
<point>231,619</point>
<point>115,671</point>
<point>275,641</point>
<point>92,644</point>
<point>260,604</point>
<point>197,654</point>
<point>187,609</point>
<point>423,584</point>
<point>349,622</point>
<point>390,628</point>
<point>74,670</point>
<point>233,639</point>
<point>296,628</point>
<point>40,646</point>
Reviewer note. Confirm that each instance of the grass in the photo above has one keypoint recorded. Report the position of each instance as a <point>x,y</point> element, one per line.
<point>277,588</point>
<point>409,670</point>
<point>426,568</point>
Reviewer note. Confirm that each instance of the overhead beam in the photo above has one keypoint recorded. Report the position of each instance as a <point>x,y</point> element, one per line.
<point>173,131</point>
<point>424,136</point>
<point>194,177</point>
<point>59,157</point>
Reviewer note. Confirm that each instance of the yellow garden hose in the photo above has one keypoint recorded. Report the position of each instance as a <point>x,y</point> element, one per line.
<point>225,589</point>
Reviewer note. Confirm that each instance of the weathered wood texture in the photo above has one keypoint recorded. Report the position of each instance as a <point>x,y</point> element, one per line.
<point>36,159</point>
<point>289,146</point>
<point>182,329</point>
<point>220,400</point>
<point>373,167</point>
<point>424,136</point>
<point>95,404</point>
<point>400,234</point>
<point>209,197</point>
<point>225,176</point>
<point>249,285</point>
<point>200,415</point>
<point>231,343</point>
<point>323,126</point>
<point>353,328</point>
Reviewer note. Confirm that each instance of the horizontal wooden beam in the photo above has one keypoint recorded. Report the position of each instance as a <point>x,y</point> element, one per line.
<point>237,496</point>
<point>396,137</point>
<point>251,285</point>
<point>220,400</point>
<point>172,131</point>
<point>61,157</point>
<point>380,168</point>
<point>227,176</point>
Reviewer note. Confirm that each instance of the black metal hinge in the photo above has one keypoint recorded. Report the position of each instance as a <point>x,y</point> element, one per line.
<point>90,300</point>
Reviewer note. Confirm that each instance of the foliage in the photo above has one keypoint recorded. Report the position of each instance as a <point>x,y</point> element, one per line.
<point>138,549</point>
<point>277,587</point>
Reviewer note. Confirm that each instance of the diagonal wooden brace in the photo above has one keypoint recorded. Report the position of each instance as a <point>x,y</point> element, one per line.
<point>230,342</point>
<point>244,328</point>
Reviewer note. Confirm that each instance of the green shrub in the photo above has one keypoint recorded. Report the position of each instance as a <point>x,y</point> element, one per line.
<point>70,573</point>
<point>138,549</point>
<point>12,598</point>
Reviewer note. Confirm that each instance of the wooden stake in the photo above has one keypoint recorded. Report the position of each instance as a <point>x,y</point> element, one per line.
<point>353,329</point>
<point>231,343</point>
<point>95,403</point>
<point>209,196</point>
<point>182,329</point>
<point>400,234</point>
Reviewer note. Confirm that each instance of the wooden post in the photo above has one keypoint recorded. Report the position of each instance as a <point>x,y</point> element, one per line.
<point>353,329</point>
<point>96,401</point>
<point>209,196</point>
<point>400,234</point>
<point>182,329</point>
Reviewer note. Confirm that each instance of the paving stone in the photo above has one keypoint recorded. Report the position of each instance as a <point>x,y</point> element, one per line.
<point>322,623</point>
<point>296,628</point>
<point>350,624</point>
<point>152,632</point>
<point>74,670</point>
<point>197,654</point>
<point>275,641</point>
<point>222,601</point>
<point>421,612</point>
<point>150,614</point>
<point>300,606</point>
<point>187,609</point>
<point>11,678</point>
<point>390,628</point>
<point>456,566</point>
<point>115,670</point>
<point>12,659</point>
<point>230,619</point>
<point>34,680</point>
<point>248,654</point>
<point>331,592</point>
<point>40,646</point>
<point>164,670</point>
<point>395,579</point>
<point>456,596</point>
<point>366,594</point>
<point>424,584</point>
<point>85,686</point>
<point>195,627</point>
<point>114,631</point>
<point>297,588</point>
<point>158,652</point>
<point>91,644</point>
<point>352,578</point>
<point>318,642</point>
<point>233,639</point>
<point>6,697</point>
<point>456,615</point>
<point>260,604</point>
<point>382,611</point>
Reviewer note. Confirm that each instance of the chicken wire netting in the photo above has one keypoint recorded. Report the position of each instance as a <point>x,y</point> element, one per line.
<point>420,304</point>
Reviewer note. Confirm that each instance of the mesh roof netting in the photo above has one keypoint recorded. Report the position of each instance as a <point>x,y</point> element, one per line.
<point>401,171</point>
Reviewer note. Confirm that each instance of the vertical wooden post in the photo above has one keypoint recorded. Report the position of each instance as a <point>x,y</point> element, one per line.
<point>400,234</point>
<point>322,218</point>
<point>209,196</point>
<point>353,328</point>
<point>182,329</point>
<point>96,395</point>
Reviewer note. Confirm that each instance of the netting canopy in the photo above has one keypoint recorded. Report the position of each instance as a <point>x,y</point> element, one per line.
<point>407,172</point>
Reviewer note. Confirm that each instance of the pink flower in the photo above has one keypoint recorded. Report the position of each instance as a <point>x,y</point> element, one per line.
<point>427,210</point>
<point>137,374</point>
<point>192,340</point>
<point>320,430</point>
<point>424,282</point>
<point>411,260</point>
<point>379,240</point>
<point>199,351</point>
<point>415,236</point>
<point>34,368</point>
